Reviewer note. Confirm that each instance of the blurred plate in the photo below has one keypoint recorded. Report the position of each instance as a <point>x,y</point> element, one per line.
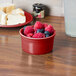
<point>29,18</point>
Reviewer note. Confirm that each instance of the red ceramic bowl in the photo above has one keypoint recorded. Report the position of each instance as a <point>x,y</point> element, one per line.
<point>37,46</point>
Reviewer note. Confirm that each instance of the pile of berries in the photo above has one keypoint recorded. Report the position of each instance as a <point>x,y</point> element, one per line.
<point>39,30</point>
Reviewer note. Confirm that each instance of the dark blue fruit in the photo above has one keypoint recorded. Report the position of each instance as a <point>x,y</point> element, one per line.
<point>40,30</point>
<point>24,27</point>
<point>47,33</point>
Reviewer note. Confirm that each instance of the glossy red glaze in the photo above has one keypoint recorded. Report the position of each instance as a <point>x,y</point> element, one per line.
<point>29,18</point>
<point>37,46</point>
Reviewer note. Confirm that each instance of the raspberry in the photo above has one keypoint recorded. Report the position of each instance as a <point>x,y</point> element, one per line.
<point>30,35</point>
<point>50,29</point>
<point>50,26</point>
<point>45,25</point>
<point>28,29</point>
<point>38,25</point>
<point>38,35</point>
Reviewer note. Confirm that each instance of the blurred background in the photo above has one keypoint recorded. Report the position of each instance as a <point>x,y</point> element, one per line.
<point>56,7</point>
<point>62,8</point>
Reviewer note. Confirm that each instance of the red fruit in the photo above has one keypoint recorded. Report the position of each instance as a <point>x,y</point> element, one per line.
<point>30,35</point>
<point>28,29</point>
<point>38,35</point>
<point>35,32</point>
<point>50,26</point>
<point>50,29</point>
<point>45,25</point>
<point>38,25</point>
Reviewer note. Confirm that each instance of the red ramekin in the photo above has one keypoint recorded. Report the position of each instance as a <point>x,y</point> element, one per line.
<point>37,46</point>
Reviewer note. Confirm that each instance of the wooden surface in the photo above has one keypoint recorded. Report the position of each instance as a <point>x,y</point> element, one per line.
<point>15,62</point>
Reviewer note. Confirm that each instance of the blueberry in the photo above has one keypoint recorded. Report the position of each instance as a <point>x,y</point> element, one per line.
<point>24,27</point>
<point>40,30</point>
<point>47,33</point>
